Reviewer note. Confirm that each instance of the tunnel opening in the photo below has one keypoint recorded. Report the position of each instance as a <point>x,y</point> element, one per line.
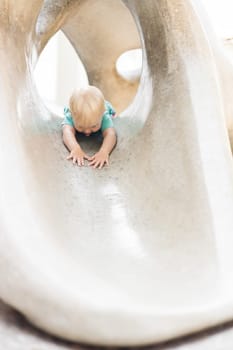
<point>129,65</point>
<point>58,72</point>
<point>87,50</point>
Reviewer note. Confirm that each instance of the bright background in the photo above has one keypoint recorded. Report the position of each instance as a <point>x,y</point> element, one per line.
<point>220,13</point>
<point>59,69</point>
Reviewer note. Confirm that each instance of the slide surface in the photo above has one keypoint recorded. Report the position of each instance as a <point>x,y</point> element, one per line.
<point>140,251</point>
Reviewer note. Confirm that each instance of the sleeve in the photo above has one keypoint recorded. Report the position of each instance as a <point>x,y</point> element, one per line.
<point>109,109</point>
<point>107,116</point>
<point>68,120</point>
<point>106,122</point>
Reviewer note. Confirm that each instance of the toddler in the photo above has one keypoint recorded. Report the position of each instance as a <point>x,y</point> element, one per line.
<point>88,112</point>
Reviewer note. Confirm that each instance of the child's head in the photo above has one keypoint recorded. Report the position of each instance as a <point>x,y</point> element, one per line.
<point>87,107</point>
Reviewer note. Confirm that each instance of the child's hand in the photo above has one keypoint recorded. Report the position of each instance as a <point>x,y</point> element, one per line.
<point>78,156</point>
<point>99,159</point>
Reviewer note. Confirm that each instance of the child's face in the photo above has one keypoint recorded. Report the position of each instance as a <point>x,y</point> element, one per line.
<point>94,126</point>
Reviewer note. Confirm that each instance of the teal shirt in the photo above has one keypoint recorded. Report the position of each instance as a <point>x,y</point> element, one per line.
<point>106,118</point>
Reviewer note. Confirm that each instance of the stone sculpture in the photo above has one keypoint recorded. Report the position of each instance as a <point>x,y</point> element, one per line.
<point>142,251</point>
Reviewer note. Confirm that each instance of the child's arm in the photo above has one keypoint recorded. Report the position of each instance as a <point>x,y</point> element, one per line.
<point>76,152</point>
<point>109,142</point>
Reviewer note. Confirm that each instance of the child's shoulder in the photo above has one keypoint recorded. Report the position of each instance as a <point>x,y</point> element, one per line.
<point>109,109</point>
<point>66,110</point>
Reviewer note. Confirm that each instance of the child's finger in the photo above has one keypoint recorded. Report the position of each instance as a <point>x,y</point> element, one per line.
<point>87,157</point>
<point>97,164</point>
<point>81,161</point>
<point>74,160</point>
<point>92,162</point>
<point>102,163</point>
<point>69,157</point>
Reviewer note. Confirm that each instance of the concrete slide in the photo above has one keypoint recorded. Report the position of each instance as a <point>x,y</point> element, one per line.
<point>139,252</point>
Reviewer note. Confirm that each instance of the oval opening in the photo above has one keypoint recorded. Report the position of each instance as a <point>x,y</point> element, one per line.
<point>129,65</point>
<point>58,72</point>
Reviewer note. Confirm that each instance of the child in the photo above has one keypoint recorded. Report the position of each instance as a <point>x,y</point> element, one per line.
<point>88,113</point>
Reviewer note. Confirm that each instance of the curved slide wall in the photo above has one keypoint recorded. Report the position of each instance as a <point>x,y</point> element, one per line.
<point>141,251</point>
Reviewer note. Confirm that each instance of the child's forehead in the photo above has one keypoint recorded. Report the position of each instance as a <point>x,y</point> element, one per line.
<point>88,118</point>
<point>86,123</point>
<point>89,115</point>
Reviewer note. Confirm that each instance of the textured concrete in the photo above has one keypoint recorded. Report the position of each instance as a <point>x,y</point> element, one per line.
<point>140,252</point>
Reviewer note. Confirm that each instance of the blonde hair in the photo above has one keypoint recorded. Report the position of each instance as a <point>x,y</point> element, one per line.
<point>87,106</point>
